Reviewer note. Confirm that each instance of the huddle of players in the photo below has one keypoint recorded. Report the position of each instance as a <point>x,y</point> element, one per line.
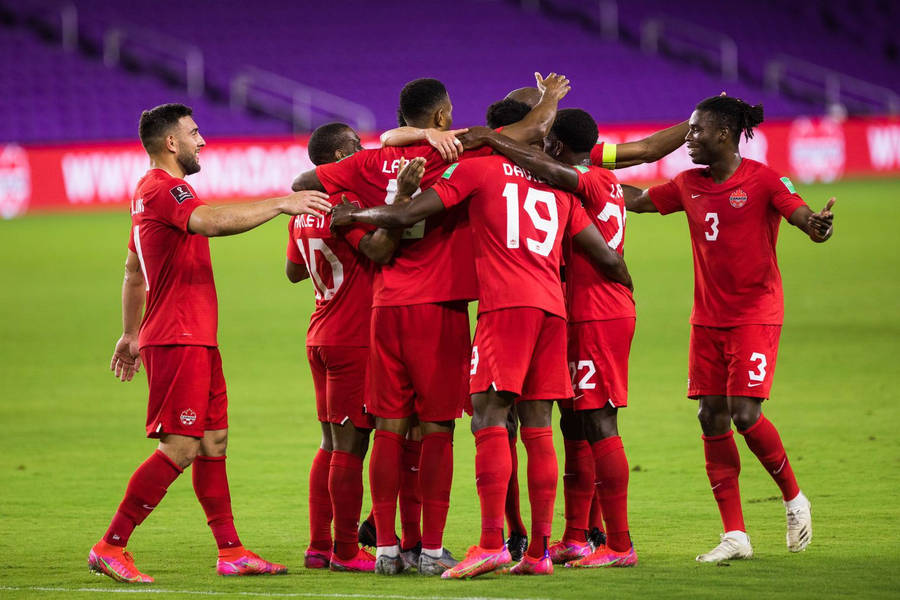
<point>495,226</point>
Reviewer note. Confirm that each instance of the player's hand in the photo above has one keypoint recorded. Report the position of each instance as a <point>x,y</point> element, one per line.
<point>307,202</point>
<point>126,359</point>
<point>410,176</point>
<point>821,224</point>
<point>556,85</point>
<point>446,142</point>
<point>342,214</point>
<point>475,137</point>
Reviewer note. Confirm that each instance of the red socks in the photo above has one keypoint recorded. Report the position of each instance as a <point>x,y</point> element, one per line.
<point>436,478</point>
<point>410,495</point>
<point>211,486</point>
<point>346,489</point>
<point>764,441</point>
<point>578,488</point>
<point>723,465</point>
<point>596,519</point>
<point>611,468</point>
<point>145,490</point>
<point>492,471</point>
<point>320,502</point>
<point>542,477</point>
<point>384,483</point>
<point>513,514</point>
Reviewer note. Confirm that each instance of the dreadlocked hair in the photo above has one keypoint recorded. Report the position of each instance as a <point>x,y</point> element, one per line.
<point>735,114</point>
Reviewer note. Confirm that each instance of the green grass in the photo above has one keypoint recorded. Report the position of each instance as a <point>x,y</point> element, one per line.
<point>72,434</point>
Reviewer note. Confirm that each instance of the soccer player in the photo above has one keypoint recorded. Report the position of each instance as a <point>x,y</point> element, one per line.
<point>519,352</point>
<point>168,265</point>
<point>734,207</point>
<point>341,266</point>
<point>420,298</point>
<point>601,327</point>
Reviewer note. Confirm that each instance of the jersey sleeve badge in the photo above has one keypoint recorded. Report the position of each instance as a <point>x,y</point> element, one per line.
<point>788,184</point>
<point>181,193</point>
<point>449,171</point>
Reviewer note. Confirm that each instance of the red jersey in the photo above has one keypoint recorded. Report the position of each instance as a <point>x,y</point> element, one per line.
<point>518,224</point>
<point>182,308</point>
<point>341,278</point>
<point>590,295</point>
<point>734,229</point>
<point>434,262</point>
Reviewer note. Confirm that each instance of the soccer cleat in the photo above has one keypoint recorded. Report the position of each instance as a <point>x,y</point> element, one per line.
<point>363,562</point>
<point>367,535</point>
<point>562,552</point>
<point>729,548</point>
<point>799,525</point>
<point>116,563</point>
<point>604,556</point>
<point>533,566</point>
<point>411,556</point>
<point>478,561</point>
<point>316,559</point>
<point>389,565</point>
<point>596,538</point>
<point>428,565</point>
<point>517,543</point>
<point>247,563</point>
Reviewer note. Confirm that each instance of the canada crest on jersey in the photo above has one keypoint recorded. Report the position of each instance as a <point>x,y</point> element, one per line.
<point>738,198</point>
<point>188,417</point>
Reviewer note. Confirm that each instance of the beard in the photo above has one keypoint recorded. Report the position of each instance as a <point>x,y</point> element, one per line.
<point>188,162</point>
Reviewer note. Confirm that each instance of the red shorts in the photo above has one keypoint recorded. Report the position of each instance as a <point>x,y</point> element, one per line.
<point>598,362</point>
<point>419,361</point>
<point>732,361</point>
<point>339,377</point>
<point>187,390</point>
<point>523,351</point>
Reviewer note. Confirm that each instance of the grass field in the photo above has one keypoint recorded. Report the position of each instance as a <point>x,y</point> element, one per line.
<point>72,434</point>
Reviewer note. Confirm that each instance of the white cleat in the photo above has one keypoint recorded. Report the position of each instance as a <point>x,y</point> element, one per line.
<point>730,547</point>
<point>799,523</point>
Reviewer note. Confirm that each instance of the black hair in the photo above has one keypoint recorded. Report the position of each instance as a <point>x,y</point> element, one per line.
<point>156,123</point>
<point>400,120</point>
<point>419,98</point>
<point>576,129</point>
<point>506,112</point>
<point>324,141</point>
<point>735,114</point>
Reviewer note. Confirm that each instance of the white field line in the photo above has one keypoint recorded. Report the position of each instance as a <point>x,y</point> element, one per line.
<point>249,594</point>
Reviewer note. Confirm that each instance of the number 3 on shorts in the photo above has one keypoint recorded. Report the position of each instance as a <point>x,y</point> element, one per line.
<point>760,375</point>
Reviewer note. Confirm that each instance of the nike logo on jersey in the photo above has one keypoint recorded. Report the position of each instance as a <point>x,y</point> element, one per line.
<point>695,195</point>
<point>754,384</point>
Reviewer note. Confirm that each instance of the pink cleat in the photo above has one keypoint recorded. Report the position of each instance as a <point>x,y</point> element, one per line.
<point>363,562</point>
<point>316,559</point>
<point>605,556</point>
<point>533,566</point>
<point>116,563</point>
<point>240,561</point>
<point>478,561</point>
<point>562,552</point>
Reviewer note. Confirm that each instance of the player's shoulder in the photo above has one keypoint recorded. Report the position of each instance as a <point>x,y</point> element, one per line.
<point>413,150</point>
<point>158,182</point>
<point>596,174</point>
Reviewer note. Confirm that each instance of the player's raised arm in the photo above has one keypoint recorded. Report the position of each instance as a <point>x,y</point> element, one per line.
<point>819,226</point>
<point>533,159</point>
<point>538,122</point>
<point>126,359</point>
<point>238,218</point>
<point>607,260</point>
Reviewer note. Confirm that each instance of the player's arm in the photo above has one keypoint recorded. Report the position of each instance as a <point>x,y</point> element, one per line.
<point>637,200</point>
<point>557,174</point>
<point>126,359</point>
<point>307,181</point>
<point>397,215</point>
<point>445,142</point>
<point>295,272</point>
<point>605,258</point>
<point>230,219</point>
<point>379,245</point>
<point>537,123</point>
<point>819,226</point>
<point>650,149</point>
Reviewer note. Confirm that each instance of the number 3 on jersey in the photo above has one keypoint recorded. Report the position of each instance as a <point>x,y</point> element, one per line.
<point>317,248</point>
<point>548,224</point>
